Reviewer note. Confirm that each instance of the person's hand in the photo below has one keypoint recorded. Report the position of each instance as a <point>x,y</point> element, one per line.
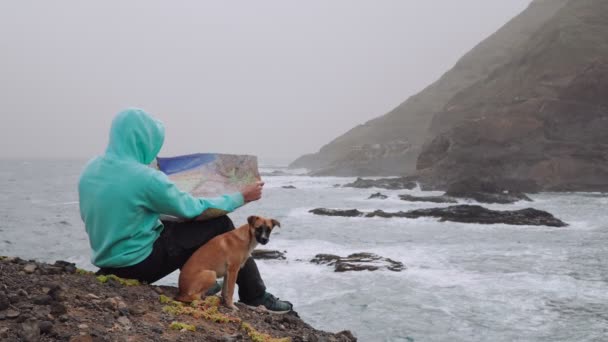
<point>252,192</point>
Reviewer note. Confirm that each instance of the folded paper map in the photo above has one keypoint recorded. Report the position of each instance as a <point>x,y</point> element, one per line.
<point>210,175</point>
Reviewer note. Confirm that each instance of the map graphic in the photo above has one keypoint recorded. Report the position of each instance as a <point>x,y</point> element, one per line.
<point>210,175</point>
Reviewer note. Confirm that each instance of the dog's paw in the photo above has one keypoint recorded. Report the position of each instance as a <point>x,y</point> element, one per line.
<point>232,307</point>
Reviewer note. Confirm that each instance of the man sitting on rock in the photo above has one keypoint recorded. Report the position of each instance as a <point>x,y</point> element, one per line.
<point>121,199</point>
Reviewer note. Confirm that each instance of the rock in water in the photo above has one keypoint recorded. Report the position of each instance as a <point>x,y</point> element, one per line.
<point>479,214</point>
<point>400,183</point>
<point>336,212</point>
<point>377,195</point>
<point>433,199</point>
<point>267,254</point>
<point>358,262</point>
<point>460,213</point>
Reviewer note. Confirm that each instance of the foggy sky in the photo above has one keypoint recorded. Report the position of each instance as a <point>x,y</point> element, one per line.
<point>272,78</point>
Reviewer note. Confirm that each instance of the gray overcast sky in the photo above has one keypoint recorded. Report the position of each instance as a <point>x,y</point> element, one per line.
<point>272,78</point>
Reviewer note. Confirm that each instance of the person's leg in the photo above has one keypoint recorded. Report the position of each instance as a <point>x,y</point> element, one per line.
<point>172,249</point>
<point>187,237</point>
<point>175,245</point>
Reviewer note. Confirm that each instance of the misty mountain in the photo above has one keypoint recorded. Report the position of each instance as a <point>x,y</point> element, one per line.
<point>391,144</point>
<point>542,116</point>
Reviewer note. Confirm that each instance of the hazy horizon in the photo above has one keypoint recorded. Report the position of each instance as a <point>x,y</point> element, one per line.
<point>275,79</point>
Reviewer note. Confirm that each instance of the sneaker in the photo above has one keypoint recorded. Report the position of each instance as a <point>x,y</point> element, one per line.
<point>214,290</point>
<point>271,303</point>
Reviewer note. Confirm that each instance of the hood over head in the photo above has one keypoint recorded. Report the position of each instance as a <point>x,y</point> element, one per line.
<point>135,135</point>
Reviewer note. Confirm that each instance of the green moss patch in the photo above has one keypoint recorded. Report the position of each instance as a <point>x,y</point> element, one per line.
<point>181,326</point>
<point>257,336</point>
<point>126,282</point>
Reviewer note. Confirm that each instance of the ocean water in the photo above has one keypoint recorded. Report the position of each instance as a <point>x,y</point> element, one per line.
<point>464,282</point>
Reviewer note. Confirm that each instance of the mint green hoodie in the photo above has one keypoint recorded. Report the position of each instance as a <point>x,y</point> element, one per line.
<point>121,198</point>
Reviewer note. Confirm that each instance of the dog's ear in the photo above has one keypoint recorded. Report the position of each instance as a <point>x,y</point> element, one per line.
<point>251,220</point>
<point>275,223</point>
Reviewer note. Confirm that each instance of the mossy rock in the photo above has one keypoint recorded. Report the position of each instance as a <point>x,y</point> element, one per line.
<point>126,282</point>
<point>182,326</point>
<point>257,336</point>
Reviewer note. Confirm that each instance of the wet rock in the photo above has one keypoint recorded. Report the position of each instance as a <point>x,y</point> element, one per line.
<point>30,331</point>
<point>265,254</point>
<point>288,187</point>
<point>383,183</point>
<point>30,268</point>
<point>377,195</point>
<point>384,214</point>
<point>358,262</point>
<point>336,212</point>
<point>479,214</point>
<point>433,199</point>
<point>42,300</point>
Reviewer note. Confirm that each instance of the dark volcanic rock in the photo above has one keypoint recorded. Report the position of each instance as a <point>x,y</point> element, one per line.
<point>460,213</point>
<point>336,212</point>
<point>433,199</point>
<point>384,183</point>
<point>267,254</point>
<point>384,214</point>
<point>377,195</point>
<point>358,262</point>
<point>479,214</point>
<point>485,192</point>
<point>95,311</point>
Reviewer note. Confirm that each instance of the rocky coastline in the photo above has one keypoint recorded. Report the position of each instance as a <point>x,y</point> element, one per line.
<point>59,302</point>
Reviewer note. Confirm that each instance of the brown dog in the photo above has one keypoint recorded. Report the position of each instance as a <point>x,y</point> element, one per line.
<point>222,256</point>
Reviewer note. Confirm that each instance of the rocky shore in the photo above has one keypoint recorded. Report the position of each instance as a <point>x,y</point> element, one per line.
<point>58,302</point>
